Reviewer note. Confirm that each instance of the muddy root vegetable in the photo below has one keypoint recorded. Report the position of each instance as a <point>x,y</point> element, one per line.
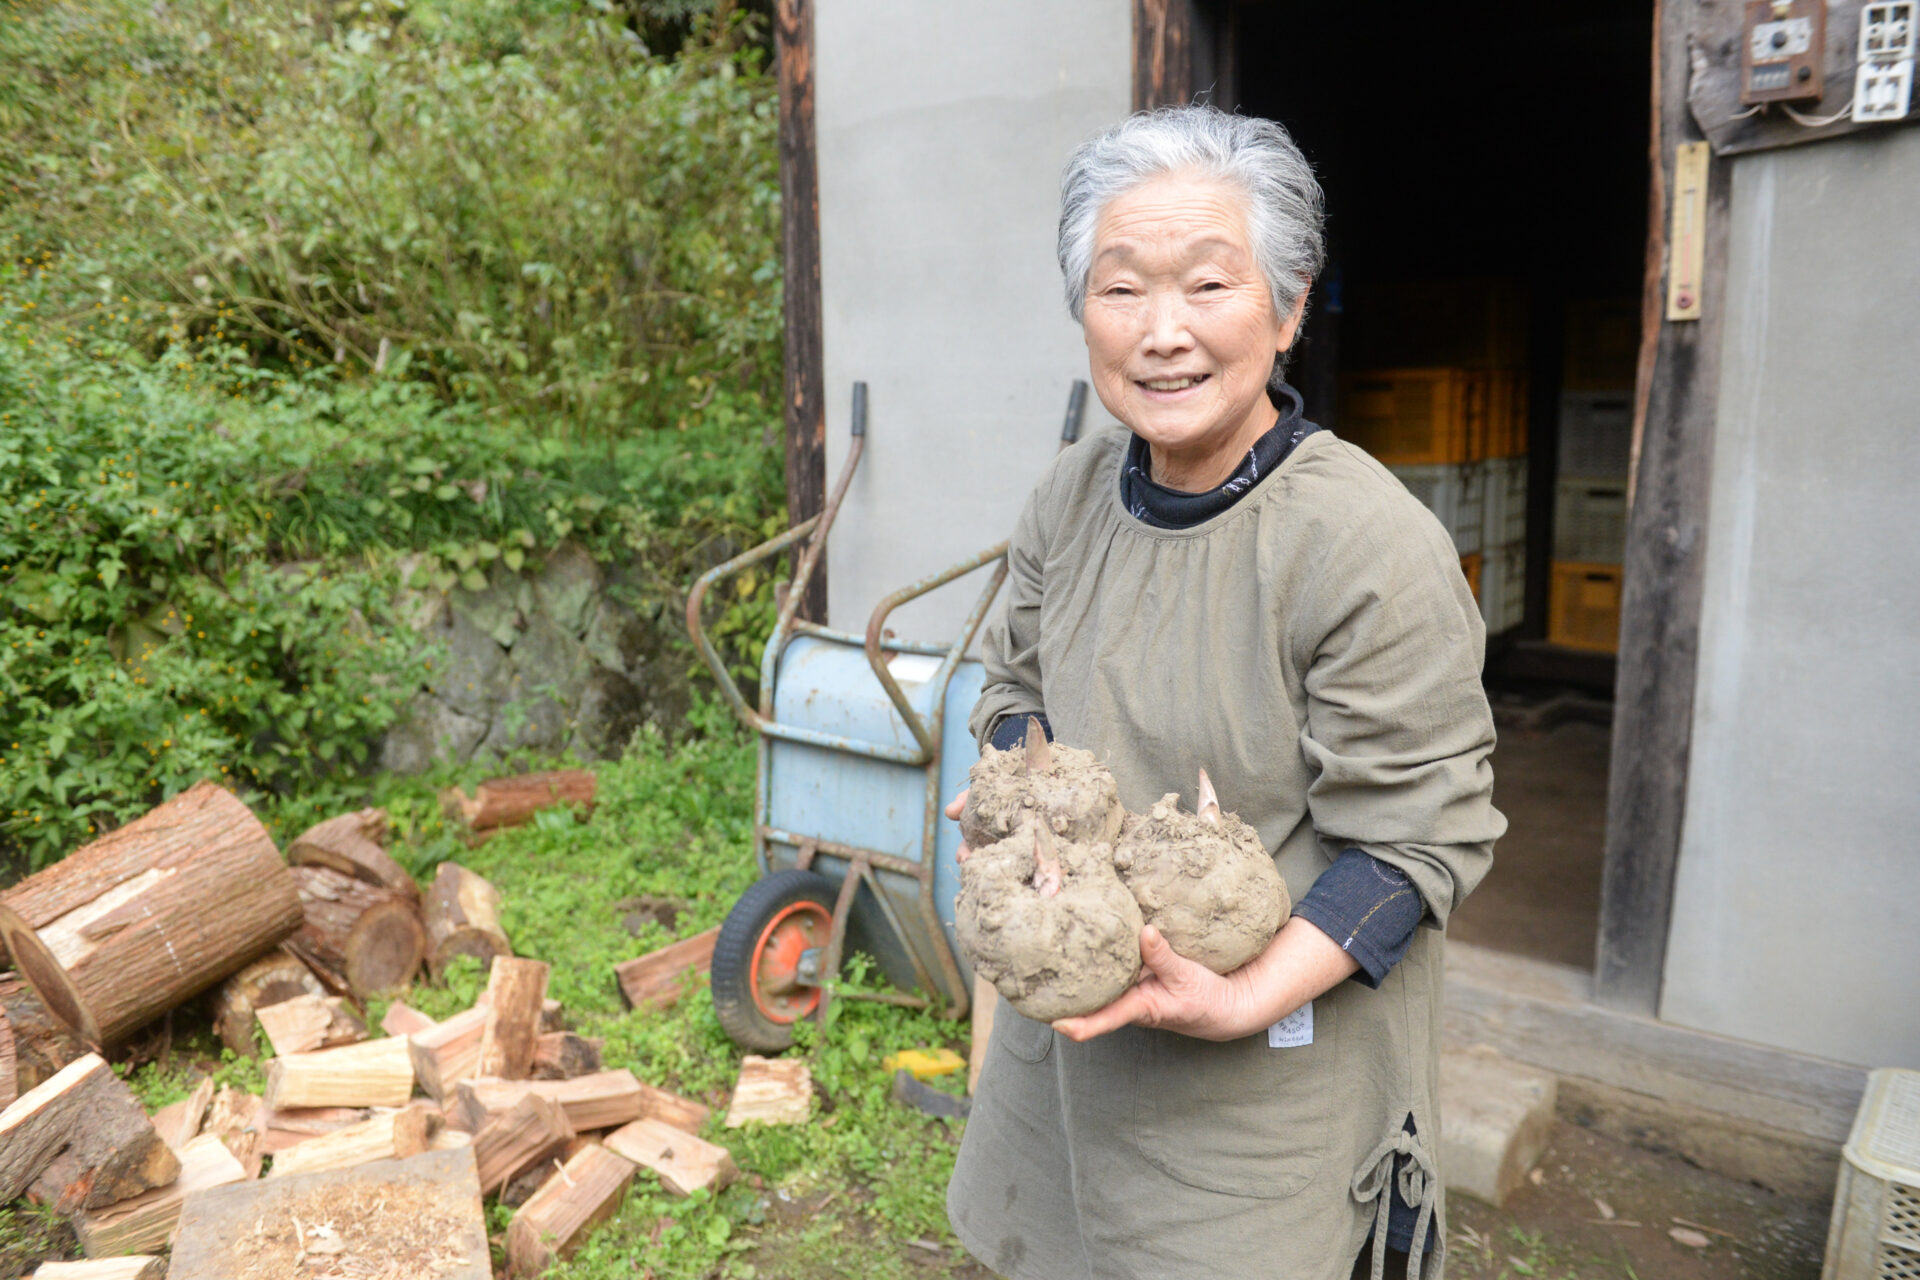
<point>1063,788</point>
<point>1203,880</point>
<point>1048,923</point>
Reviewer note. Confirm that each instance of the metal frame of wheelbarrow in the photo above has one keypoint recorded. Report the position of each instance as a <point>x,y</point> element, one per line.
<point>925,753</point>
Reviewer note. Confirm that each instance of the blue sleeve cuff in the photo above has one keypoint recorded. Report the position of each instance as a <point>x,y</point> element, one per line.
<point>1012,731</point>
<point>1369,907</point>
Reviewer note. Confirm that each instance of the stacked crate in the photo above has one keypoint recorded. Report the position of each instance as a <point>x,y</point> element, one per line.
<point>1590,495</point>
<point>1441,400</point>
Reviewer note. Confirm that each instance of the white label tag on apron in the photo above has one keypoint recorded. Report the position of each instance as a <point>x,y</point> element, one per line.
<point>1292,1031</point>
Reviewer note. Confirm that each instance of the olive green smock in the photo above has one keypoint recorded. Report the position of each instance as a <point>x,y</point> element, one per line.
<point>1317,650</point>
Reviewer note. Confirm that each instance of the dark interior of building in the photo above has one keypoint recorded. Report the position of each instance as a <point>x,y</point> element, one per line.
<point>1485,168</point>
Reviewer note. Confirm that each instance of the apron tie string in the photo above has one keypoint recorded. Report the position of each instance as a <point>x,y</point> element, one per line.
<point>1418,1181</point>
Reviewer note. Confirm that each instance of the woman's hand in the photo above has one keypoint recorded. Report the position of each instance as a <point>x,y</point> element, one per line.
<point>1177,994</point>
<point>954,810</point>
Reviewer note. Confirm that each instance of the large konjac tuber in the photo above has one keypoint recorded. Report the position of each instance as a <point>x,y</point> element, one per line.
<point>1063,788</point>
<point>1203,880</point>
<point>1048,923</point>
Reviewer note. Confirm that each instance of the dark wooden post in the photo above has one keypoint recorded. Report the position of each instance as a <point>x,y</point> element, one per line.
<point>1162,53</point>
<point>805,399</point>
<point>1665,560</point>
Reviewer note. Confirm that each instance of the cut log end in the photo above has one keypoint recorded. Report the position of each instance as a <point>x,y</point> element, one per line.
<point>44,973</point>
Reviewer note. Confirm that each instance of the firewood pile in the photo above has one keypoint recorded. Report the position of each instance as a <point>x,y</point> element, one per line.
<point>372,1148</point>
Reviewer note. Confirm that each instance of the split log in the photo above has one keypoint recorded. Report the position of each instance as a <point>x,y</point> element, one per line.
<point>414,1218</point>
<point>361,938</point>
<point>285,1130</point>
<point>463,919</point>
<point>552,1016</point>
<point>653,981</point>
<point>771,1091</point>
<point>683,1162</point>
<point>142,1224</point>
<point>516,989</point>
<point>584,1192</point>
<point>150,915</point>
<point>9,1064</point>
<point>510,802</point>
<point>449,1052</point>
<point>403,1020</point>
<point>354,844</point>
<point>562,1055</point>
<point>140,1267</point>
<point>178,1123</point>
<point>42,1044</point>
<point>374,1073</point>
<point>276,976</point>
<point>598,1101</point>
<point>683,1114</point>
<point>448,1137</point>
<point>238,1119</point>
<point>530,1132</point>
<point>81,1140</point>
<point>306,1023</point>
<point>392,1135</point>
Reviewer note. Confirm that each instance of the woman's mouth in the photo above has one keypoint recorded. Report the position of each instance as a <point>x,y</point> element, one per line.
<point>1174,384</point>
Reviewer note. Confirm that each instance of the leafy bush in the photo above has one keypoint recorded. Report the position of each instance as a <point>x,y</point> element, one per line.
<point>512,200</point>
<point>201,560</point>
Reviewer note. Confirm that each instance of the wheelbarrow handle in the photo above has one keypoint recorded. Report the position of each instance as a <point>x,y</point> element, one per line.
<point>815,529</point>
<point>928,736</point>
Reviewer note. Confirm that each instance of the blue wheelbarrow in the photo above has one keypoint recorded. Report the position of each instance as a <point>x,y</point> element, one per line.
<point>862,740</point>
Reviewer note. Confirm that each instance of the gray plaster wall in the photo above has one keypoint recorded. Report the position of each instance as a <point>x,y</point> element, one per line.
<point>1796,916</point>
<point>942,129</point>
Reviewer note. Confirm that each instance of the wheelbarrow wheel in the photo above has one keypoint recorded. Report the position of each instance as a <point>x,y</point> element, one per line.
<point>757,991</point>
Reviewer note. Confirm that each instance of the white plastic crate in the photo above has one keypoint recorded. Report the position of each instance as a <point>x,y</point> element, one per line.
<point>1596,432</point>
<point>1503,587</point>
<point>1505,520</point>
<point>1590,521</point>
<point>1456,493</point>
<point>1875,1234</point>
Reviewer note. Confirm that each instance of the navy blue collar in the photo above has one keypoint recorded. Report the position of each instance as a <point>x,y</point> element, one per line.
<point>1166,508</point>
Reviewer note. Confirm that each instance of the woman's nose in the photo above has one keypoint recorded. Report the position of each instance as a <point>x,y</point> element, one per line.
<point>1167,332</point>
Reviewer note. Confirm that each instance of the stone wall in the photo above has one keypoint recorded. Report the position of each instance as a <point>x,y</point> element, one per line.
<point>568,655</point>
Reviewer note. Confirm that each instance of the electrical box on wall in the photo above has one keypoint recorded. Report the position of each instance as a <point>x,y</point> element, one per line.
<point>1883,82</point>
<point>1783,51</point>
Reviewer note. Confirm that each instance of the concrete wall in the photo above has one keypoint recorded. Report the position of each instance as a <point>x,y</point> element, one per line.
<point>942,129</point>
<point>1797,911</point>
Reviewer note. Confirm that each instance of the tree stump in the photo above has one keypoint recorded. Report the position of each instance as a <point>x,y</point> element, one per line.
<point>360,938</point>
<point>150,915</point>
<point>463,919</point>
<point>354,844</point>
<point>275,977</point>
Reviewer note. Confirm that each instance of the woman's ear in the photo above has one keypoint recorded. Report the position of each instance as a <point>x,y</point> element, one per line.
<point>1290,327</point>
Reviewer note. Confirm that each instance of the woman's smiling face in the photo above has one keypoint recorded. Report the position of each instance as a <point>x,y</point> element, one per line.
<point>1180,326</point>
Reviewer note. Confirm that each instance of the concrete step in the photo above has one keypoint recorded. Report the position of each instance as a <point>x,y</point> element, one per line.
<point>1495,1118</point>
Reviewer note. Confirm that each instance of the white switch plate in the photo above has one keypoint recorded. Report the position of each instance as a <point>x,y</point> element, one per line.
<point>1883,79</point>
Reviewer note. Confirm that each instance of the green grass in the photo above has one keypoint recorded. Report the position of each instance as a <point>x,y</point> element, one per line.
<point>847,1195</point>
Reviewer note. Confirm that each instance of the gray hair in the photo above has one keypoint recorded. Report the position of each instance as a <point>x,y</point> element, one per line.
<point>1285,210</point>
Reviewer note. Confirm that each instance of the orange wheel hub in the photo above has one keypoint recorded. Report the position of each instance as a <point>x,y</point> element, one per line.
<point>778,991</point>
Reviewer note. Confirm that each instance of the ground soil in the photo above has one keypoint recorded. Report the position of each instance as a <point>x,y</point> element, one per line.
<point>1556,1227</point>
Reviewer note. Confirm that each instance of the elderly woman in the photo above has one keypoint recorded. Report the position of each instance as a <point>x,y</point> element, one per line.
<point>1222,585</point>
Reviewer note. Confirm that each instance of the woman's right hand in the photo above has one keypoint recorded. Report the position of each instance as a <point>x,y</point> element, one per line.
<point>954,810</point>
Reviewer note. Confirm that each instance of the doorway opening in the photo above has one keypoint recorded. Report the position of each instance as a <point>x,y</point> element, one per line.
<point>1477,330</point>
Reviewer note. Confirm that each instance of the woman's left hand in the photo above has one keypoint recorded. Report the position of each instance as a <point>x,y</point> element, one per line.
<point>1173,994</point>
<point>1178,994</point>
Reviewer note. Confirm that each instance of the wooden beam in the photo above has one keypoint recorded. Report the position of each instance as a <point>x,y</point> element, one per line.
<point>1665,563</point>
<point>1163,33</point>
<point>805,393</point>
<point>652,981</point>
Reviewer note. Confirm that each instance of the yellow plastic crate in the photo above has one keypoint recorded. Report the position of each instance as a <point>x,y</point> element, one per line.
<point>1583,606</point>
<point>1470,565</point>
<point>1415,417</point>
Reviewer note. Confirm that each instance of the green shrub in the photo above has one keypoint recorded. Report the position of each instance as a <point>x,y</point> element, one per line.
<point>512,200</point>
<point>200,561</point>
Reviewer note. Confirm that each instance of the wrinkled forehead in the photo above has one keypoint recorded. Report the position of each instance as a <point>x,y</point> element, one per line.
<point>1174,220</point>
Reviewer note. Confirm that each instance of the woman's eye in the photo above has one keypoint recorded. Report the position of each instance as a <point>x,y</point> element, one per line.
<point>1211,285</point>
